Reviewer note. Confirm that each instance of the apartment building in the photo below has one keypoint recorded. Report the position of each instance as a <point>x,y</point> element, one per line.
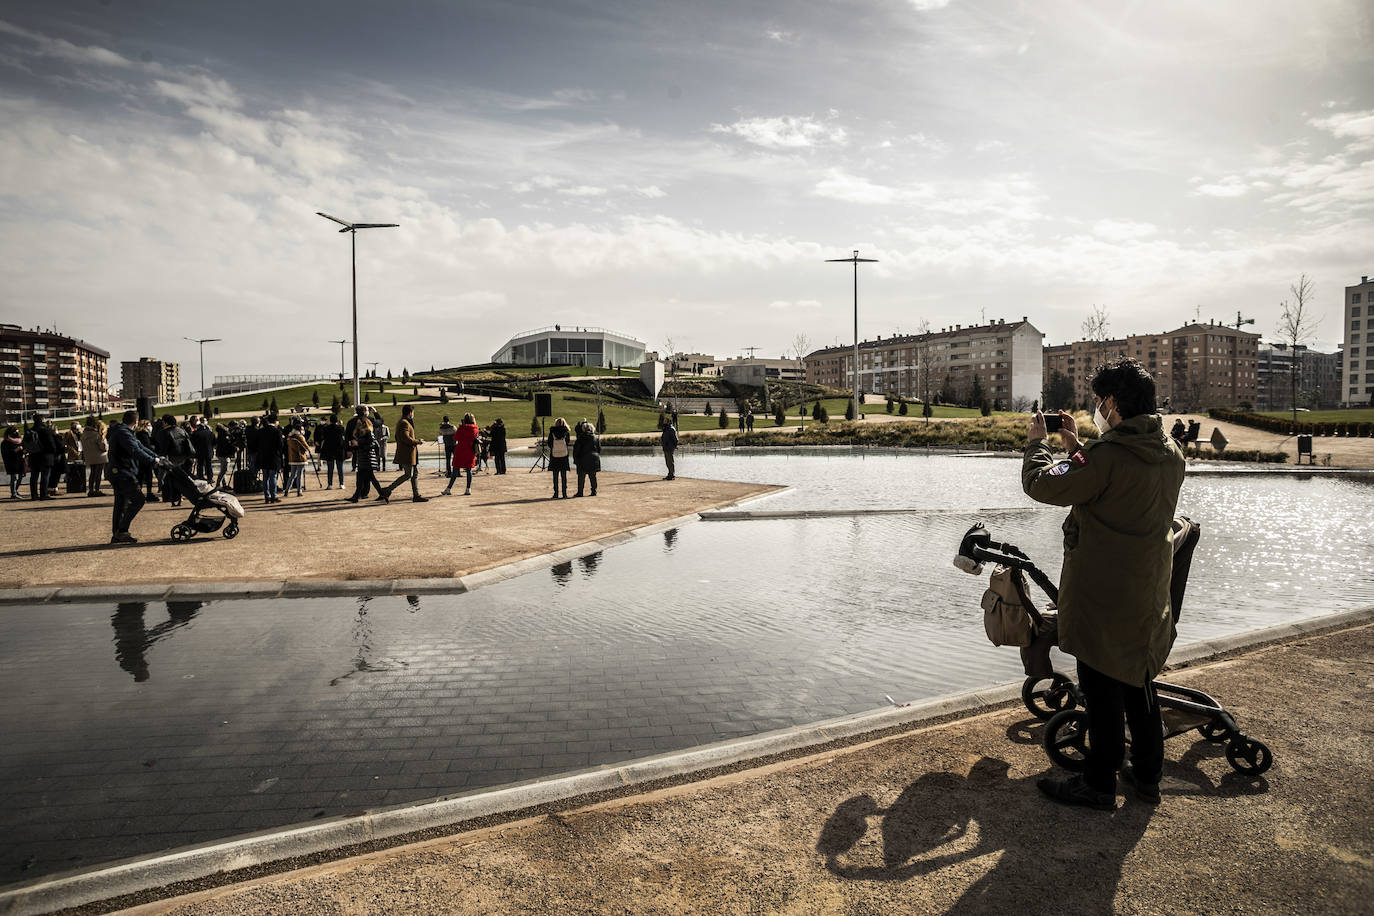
<point>1003,356</point>
<point>1318,380</point>
<point>150,378</point>
<point>50,373</point>
<point>1357,365</point>
<point>1196,366</point>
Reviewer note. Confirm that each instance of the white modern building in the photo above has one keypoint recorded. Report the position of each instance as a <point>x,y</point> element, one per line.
<point>1357,371</point>
<point>571,346</point>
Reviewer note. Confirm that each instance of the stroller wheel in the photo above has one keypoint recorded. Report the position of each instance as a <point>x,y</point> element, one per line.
<point>231,531</point>
<point>1046,696</point>
<point>183,533</point>
<point>1066,739</point>
<point>1248,755</point>
<point>1214,732</point>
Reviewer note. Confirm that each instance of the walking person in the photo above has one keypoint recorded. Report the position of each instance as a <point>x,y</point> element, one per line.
<point>270,445</point>
<point>95,452</point>
<point>224,450</point>
<point>332,448</point>
<point>383,434</point>
<point>144,434</point>
<point>12,450</point>
<point>497,437</point>
<point>40,447</point>
<point>297,453</point>
<point>407,457</point>
<point>127,456</point>
<point>560,450</point>
<point>446,431</point>
<point>351,428</point>
<point>365,448</point>
<point>1114,605</point>
<point>668,442</point>
<point>587,456</point>
<point>466,443</point>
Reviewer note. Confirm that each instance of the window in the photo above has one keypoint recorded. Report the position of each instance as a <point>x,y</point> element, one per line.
<point>1355,325</point>
<point>1354,297</point>
<point>1355,312</point>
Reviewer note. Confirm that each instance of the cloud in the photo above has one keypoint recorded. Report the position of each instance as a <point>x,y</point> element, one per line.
<point>784,132</point>
<point>1230,186</point>
<point>582,190</point>
<point>652,192</point>
<point>783,305</point>
<point>840,185</point>
<point>1121,230</point>
<point>781,37</point>
<point>926,5</point>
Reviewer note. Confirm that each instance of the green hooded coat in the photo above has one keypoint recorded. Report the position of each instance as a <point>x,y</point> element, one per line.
<point>1114,611</point>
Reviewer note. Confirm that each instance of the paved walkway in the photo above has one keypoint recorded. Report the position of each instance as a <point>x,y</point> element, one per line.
<point>321,537</point>
<point>937,820</point>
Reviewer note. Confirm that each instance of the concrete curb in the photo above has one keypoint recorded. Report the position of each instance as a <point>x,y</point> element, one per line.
<point>345,588</point>
<point>731,515</point>
<point>192,863</point>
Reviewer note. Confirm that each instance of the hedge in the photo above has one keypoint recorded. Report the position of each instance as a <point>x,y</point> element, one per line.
<point>1286,427</point>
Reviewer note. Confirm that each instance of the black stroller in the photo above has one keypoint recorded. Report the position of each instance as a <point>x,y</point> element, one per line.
<point>1053,696</point>
<point>204,498</point>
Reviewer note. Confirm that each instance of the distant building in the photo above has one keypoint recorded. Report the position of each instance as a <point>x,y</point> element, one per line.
<point>1357,369</point>
<point>150,378</point>
<point>49,373</point>
<point>570,346</point>
<point>1318,380</point>
<point>754,371</point>
<point>1003,356</point>
<point>1195,366</point>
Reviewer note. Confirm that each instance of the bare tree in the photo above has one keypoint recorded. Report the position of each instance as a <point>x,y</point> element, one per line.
<point>801,345</point>
<point>1297,325</point>
<point>1096,324</point>
<point>670,354</point>
<point>925,370</point>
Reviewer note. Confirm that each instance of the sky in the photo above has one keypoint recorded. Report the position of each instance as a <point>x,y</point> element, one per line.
<point>674,171</point>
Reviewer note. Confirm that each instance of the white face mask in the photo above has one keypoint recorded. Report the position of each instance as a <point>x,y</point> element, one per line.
<point>1100,420</point>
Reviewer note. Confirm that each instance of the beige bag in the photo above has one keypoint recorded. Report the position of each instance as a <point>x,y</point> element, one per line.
<point>1007,616</point>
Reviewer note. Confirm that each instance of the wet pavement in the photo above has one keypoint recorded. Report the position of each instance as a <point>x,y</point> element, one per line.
<point>135,728</point>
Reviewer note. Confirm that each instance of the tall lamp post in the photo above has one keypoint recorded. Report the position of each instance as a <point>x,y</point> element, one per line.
<point>202,342</point>
<point>856,261</point>
<point>352,230</point>
<point>341,357</point>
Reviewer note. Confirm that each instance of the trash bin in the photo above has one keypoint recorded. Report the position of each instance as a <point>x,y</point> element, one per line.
<point>1305,448</point>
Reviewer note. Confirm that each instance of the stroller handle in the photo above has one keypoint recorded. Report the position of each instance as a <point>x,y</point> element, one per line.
<point>977,547</point>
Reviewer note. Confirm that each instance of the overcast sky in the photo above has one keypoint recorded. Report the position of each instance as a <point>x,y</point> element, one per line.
<point>671,170</point>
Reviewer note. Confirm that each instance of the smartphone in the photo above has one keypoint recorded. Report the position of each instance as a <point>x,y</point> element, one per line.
<point>1053,423</point>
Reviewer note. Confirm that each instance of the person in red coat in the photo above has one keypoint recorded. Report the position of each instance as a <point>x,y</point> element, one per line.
<point>467,444</point>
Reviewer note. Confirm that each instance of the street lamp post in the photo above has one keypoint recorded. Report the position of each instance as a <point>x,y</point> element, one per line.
<point>202,342</point>
<point>341,357</point>
<point>352,230</point>
<point>856,261</point>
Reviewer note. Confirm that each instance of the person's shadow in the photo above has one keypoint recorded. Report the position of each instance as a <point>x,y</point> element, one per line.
<point>133,638</point>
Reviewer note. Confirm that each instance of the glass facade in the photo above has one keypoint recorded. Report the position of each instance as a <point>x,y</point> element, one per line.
<point>563,350</point>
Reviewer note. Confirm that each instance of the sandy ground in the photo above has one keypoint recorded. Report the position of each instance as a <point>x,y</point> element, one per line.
<point>940,820</point>
<point>320,536</point>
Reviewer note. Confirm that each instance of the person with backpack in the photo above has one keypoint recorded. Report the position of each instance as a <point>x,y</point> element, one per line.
<point>467,443</point>
<point>587,456</point>
<point>560,449</point>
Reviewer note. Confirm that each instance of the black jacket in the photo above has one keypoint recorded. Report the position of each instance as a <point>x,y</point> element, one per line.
<point>587,453</point>
<point>126,452</point>
<point>331,441</point>
<point>498,439</point>
<point>271,442</point>
<point>203,442</point>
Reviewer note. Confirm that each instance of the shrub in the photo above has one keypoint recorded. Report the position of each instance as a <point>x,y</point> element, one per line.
<point>902,410</point>
<point>534,427</point>
<point>443,395</point>
<point>393,400</point>
<point>724,418</point>
<point>985,408</point>
<point>600,421</point>
<point>347,399</point>
<point>849,410</point>
<point>816,411</point>
<point>825,416</point>
<point>709,411</point>
<point>779,415</point>
<point>927,411</point>
<point>890,405</point>
<point>334,404</point>
<point>662,419</point>
<point>315,397</point>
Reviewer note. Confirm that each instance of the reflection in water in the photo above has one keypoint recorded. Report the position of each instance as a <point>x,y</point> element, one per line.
<point>362,643</point>
<point>669,540</point>
<point>562,573</point>
<point>414,602</point>
<point>589,564</point>
<point>132,638</point>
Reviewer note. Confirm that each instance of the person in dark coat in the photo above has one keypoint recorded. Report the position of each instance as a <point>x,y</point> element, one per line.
<point>224,450</point>
<point>332,441</point>
<point>250,444</point>
<point>446,431</point>
<point>587,456</point>
<point>171,442</point>
<point>1178,432</point>
<point>367,451</point>
<point>498,445</point>
<point>126,457</point>
<point>351,429</point>
<point>144,434</point>
<point>668,441</point>
<point>40,447</point>
<point>271,444</point>
<point>203,445</point>
<point>560,450</point>
<point>12,448</point>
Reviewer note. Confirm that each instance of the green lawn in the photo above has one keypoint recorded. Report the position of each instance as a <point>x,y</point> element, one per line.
<point>1349,415</point>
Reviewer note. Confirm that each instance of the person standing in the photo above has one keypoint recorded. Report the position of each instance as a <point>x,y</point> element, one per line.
<point>498,445</point>
<point>365,447</point>
<point>1114,606</point>
<point>71,446</point>
<point>668,442</point>
<point>407,457</point>
<point>350,430</point>
<point>297,453</point>
<point>383,434</point>
<point>144,434</point>
<point>126,457</point>
<point>587,456</point>
<point>224,450</point>
<point>203,445</point>
<point>749,421</point>
<point>560,449</point>
<point>40,447</point>
<point>332,449</point>
<point>270,445</point>
<point>741,421</point>
<point>95,452</point>
<point>12,449</point>
<point>466,443</point>
<point>250,444</point>
<point>446,431</point>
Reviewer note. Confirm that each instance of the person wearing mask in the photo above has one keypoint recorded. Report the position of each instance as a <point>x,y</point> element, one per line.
<point>297,453</point>
<point>126,457</point>
<point>498,445</point>
<point>1114,606</point>
<point>271,444</point>
<point>12,450</point>
<point>144,434</point>
<point>446,431</point>
<point>560,451</point>
<point>40,447</point>
<point>587,456</point>
<point>668,441</point>
<point>332,447</point>
<point>95,452</point>
<point>466,444</point>
<point>365,448</point>
<point>407,457</point>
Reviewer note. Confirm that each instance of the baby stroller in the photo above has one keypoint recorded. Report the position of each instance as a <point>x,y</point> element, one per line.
<point>1053,696</point>
<point>204,497</point>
